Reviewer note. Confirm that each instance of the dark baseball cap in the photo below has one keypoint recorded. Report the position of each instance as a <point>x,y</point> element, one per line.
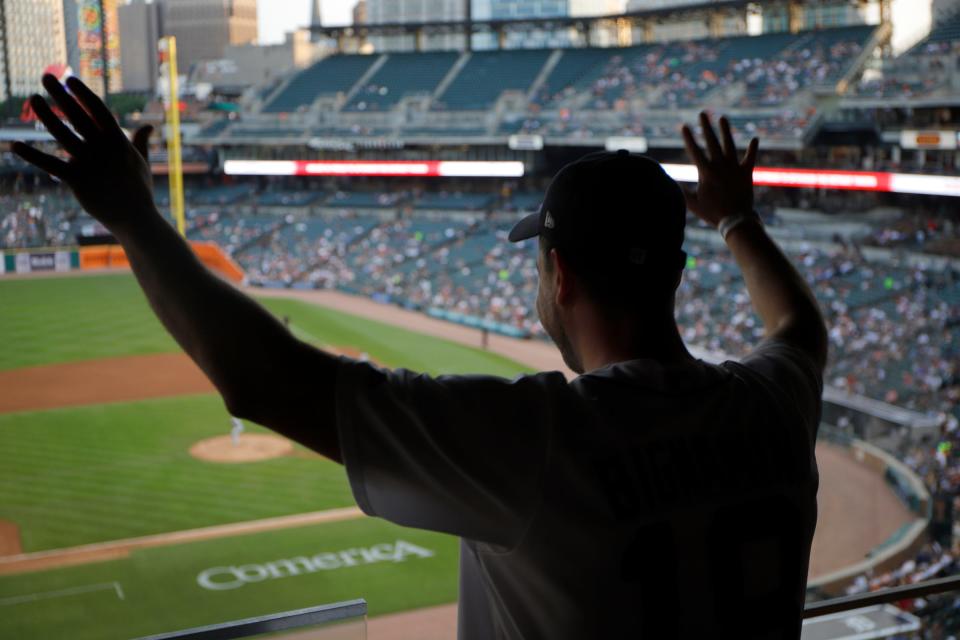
<point>612,210</point>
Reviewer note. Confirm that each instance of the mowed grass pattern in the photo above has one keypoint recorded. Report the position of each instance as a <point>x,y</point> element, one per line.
<point>50,320</point>
<point>90,474</point>
<point>84,475</point>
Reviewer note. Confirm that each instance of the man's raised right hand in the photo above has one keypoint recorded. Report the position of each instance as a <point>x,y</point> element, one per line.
<point>726,181</point>
<point>107,173</point>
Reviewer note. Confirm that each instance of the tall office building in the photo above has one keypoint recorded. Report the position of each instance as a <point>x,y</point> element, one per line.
<point>71,28</point>
<point>204,28</point>
<point>32,38</point>
<point>141,25</point>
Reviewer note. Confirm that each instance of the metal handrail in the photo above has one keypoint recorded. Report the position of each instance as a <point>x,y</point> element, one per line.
<point>298,619</point>
<point>893,594</point>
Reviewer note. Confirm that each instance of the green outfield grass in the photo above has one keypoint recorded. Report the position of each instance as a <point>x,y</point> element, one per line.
<point>45,321</point>
<point>77,476</point>
<point>161,591</point>
<point>98,473</point>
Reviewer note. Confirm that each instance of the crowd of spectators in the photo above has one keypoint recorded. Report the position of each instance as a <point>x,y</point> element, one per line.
<point>920,72</point>
<point>637,90</point>
<point>894,328</point>
<point>45,219</point>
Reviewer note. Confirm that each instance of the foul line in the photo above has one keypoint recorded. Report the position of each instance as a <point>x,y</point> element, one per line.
<point>303,334</point>
<point>116,587</point>
<point>115,549</point>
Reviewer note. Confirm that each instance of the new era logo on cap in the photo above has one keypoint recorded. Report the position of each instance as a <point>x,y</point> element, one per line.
<point>548,221</point>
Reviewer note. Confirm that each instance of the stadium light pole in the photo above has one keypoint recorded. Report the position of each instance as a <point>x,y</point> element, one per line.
<point>168,64</point>
<point>103,51</point>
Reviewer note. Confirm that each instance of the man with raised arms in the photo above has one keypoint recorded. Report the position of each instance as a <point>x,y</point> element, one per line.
<point>653,496</point>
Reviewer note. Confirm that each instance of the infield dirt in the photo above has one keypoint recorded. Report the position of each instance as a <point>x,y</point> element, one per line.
<point>125,379</point>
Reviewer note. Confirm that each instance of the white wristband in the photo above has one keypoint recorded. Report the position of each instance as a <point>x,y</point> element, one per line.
<point>730,223</point>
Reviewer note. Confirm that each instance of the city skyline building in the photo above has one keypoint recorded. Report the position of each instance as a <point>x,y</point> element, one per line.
<point>32,40</point>
<point>204,28</point>
<point>71,27</point>
<point>141,25</point>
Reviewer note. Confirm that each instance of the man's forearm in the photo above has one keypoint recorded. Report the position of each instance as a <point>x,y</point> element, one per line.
<point>779,293</point>
<point>232,338</point>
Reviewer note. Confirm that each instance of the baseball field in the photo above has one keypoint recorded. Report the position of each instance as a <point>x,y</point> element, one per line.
<point>112,525</point>
<point>128,509</point>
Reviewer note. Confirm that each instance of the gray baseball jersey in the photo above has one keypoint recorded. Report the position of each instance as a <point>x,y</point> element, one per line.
<point>639,500</point>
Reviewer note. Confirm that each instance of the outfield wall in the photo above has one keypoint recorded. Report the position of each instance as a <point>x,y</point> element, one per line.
<point>25,261</point>
<point>39,261</point>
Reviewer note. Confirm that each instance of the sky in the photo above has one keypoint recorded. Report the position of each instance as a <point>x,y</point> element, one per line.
<point>287,15</point>
<point>911,18</point>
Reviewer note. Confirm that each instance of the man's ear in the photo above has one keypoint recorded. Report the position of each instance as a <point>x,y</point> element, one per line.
<point>564,280</point>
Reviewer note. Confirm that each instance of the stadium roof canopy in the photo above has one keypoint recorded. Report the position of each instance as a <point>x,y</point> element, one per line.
<point>523,24</point>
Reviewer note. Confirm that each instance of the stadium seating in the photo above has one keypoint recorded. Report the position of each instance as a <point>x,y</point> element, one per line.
<point>454,201</point>
<point>487,75</point>
<point>769,81</point>
<point>214,129</point>
<point>923,70</point>
<point>230,194</point>
<point>946,32</point>
<point>402,75</point>
<point>288,198</point>
<point>328,77</point>
<point>347,200</point>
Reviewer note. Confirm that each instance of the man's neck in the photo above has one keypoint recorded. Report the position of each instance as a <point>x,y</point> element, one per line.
<point>661,343</point>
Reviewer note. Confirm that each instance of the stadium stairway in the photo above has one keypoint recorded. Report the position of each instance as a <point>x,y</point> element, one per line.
<point>365,79</point>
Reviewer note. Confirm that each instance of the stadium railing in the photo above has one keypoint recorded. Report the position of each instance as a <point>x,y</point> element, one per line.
<point>349,618</point>
<point>339,621</point>
<point>886,596</point>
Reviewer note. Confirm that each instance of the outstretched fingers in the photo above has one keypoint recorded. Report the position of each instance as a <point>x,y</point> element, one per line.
<point>56,127</point>
<point>750,159</point>
<point>710,136</point>
<point>52,165</point>
<point>693,149</point>
<point>729,146</point>
<point>141,141</point>
<point>95,107</point>
<point>80,119</point>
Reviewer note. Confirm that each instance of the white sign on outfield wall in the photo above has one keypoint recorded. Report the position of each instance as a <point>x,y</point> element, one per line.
<point>3,263</point>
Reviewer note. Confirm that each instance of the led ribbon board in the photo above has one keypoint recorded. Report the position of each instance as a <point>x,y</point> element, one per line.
<point>918,184</point>
<point>879,182</point>
<point>379,168</point>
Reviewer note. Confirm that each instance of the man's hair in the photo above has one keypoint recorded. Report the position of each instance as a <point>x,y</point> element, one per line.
<point>623,290</point>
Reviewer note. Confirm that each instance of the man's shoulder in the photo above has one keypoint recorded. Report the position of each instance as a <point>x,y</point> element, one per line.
<point>790,375</point>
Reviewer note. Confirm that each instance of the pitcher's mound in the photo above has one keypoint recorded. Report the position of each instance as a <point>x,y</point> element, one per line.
<point>251,447</point>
